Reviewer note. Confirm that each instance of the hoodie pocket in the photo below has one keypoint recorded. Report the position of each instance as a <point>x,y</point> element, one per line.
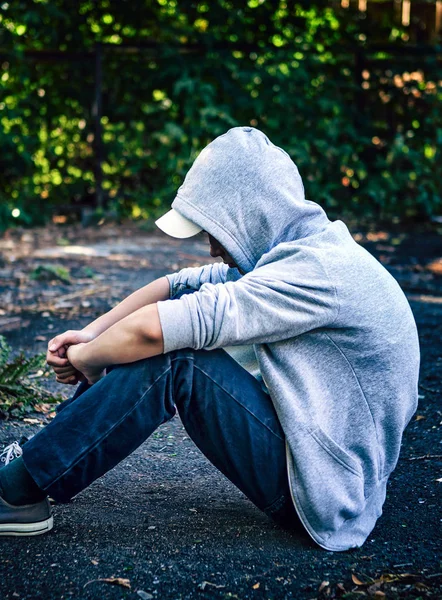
<point>327,484</point>
<point>336,452</point>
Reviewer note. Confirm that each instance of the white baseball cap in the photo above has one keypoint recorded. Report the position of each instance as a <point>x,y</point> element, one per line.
<point>177,226</point>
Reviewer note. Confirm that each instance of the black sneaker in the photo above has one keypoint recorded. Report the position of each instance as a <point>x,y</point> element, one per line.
<point>30,519</point>
<point>12,451</point>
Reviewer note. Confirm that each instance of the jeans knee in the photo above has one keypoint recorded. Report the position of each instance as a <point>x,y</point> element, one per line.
<point>184,354</point>
<point>137,368</point>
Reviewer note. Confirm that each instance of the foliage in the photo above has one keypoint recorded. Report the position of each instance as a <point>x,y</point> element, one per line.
<point>17,394</point>
<point>363,129</point>
<point>51,273</point>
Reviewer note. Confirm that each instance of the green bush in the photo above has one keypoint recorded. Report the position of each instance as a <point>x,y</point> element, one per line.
<point>19,394</point>
<point>364,130</point>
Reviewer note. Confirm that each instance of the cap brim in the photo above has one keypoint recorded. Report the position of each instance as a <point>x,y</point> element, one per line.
<point>176,225</point>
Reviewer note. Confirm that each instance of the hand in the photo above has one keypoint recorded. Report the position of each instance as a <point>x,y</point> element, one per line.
<point>64,371</point>
<point>56,355</point>
<point>90,372</point>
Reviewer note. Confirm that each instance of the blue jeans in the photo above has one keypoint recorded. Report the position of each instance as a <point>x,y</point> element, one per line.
<point>222,407</point>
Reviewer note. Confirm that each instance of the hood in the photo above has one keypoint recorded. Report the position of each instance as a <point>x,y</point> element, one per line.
<point>248,194</point>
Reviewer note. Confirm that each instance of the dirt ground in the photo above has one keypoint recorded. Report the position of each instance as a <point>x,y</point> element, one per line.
<point>165,522</point>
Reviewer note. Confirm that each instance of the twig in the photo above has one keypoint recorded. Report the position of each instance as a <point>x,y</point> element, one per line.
<point>8,323</point>
<point>425,456</point>
<point>426,389</point>
<point>112,580</point>
<point>53,306</point>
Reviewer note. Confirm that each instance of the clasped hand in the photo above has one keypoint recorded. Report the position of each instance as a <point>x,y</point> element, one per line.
<point>64,356</point>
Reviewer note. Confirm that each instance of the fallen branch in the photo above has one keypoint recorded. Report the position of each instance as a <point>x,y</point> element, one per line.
<point>41,307</point>
<point>10,323</point>
<point>425,456</point>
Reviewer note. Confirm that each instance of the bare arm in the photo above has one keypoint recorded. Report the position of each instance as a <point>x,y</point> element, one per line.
<point>56,357</point>
<point>132,338</point>
<point>149,294</point>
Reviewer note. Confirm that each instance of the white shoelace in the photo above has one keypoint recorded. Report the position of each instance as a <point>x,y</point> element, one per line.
<point>10,452</point>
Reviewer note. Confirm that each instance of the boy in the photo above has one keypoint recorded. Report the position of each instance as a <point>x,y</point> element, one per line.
<point>293,365</point>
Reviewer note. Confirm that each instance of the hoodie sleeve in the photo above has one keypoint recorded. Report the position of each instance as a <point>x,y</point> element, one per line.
<point>256,309</point>
<point>194,278</point>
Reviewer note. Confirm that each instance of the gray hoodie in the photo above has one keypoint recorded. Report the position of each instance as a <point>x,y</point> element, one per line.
<point>333,334</point>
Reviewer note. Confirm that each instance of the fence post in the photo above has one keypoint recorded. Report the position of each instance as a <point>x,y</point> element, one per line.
<point>97,114</point>
<point>359,95</point>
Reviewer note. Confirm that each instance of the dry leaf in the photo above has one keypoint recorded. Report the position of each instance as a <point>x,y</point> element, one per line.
<point>256,586</point>
<point>435,267</point>
<point>94,561</point>
<point>31,421</point>
<point>43,407</point>
<point>118,581</point>
<point>323,585</point>
<point>204,584</point>
<point>379,594</point>
<point>374,588</point>
<point>358,579</point>
<point>421,586</point>
<point>391,577</point>
<point>113,581</point>
<point>387,578</point>
<point>378,236</point>
<point>419,417</point>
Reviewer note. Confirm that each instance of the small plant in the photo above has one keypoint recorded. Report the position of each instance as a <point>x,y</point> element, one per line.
<point>51,273</point>
<point>87,272</point>
<point>18,395</point>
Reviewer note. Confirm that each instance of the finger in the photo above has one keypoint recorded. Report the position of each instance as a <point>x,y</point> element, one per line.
<point>65,339</point>
<point>70,380</point>
<point>55,361</point>
<point>65,374</point>
<point>61,352</point>
<point>68,370</point>
<point>56,342</point>
<point>60,363</point>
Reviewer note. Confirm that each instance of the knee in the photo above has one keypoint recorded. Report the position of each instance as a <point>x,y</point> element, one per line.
<point>139,366</point>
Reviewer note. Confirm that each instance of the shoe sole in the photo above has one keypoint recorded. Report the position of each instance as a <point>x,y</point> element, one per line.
<point>26,528</point>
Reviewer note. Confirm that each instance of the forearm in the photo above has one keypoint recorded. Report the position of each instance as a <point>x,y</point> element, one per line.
<point>149,294</point>
<point>133,338</point>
